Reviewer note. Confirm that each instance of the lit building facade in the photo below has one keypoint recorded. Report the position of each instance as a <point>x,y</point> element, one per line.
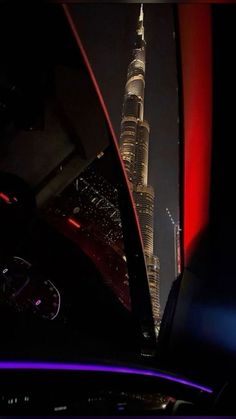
<point>134,144</point>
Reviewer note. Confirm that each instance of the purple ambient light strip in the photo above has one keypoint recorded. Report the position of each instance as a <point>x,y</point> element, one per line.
<point>19,365</point>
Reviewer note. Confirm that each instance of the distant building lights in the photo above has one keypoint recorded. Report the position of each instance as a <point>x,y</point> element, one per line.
<point>100,155</point>
<point>59,408</point>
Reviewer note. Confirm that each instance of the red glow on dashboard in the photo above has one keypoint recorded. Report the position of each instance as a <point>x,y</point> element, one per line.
<point>5,197</point>
<point>74,223</point>
<point>196,56</point>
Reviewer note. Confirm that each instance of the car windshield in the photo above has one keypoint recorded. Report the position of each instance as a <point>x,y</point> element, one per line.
<point>90,234</point>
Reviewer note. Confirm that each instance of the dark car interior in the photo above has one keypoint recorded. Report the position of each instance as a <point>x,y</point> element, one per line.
<point>74,298</point>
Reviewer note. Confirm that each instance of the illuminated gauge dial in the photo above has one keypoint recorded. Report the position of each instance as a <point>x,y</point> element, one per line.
<point>27,290</point>
<point>8,198</point>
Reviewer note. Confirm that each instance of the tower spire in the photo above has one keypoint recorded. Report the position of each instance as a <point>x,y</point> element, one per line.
<point>141,13</point>
<point>140,30</point>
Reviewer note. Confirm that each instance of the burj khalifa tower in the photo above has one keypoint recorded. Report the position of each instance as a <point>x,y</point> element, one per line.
<point>134,147</point>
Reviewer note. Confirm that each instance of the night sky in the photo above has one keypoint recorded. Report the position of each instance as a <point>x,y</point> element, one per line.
<point>107,32</point>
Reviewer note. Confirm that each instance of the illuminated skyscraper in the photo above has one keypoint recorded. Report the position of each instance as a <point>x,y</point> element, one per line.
<point>177,248</point>
<point>134,143</point>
